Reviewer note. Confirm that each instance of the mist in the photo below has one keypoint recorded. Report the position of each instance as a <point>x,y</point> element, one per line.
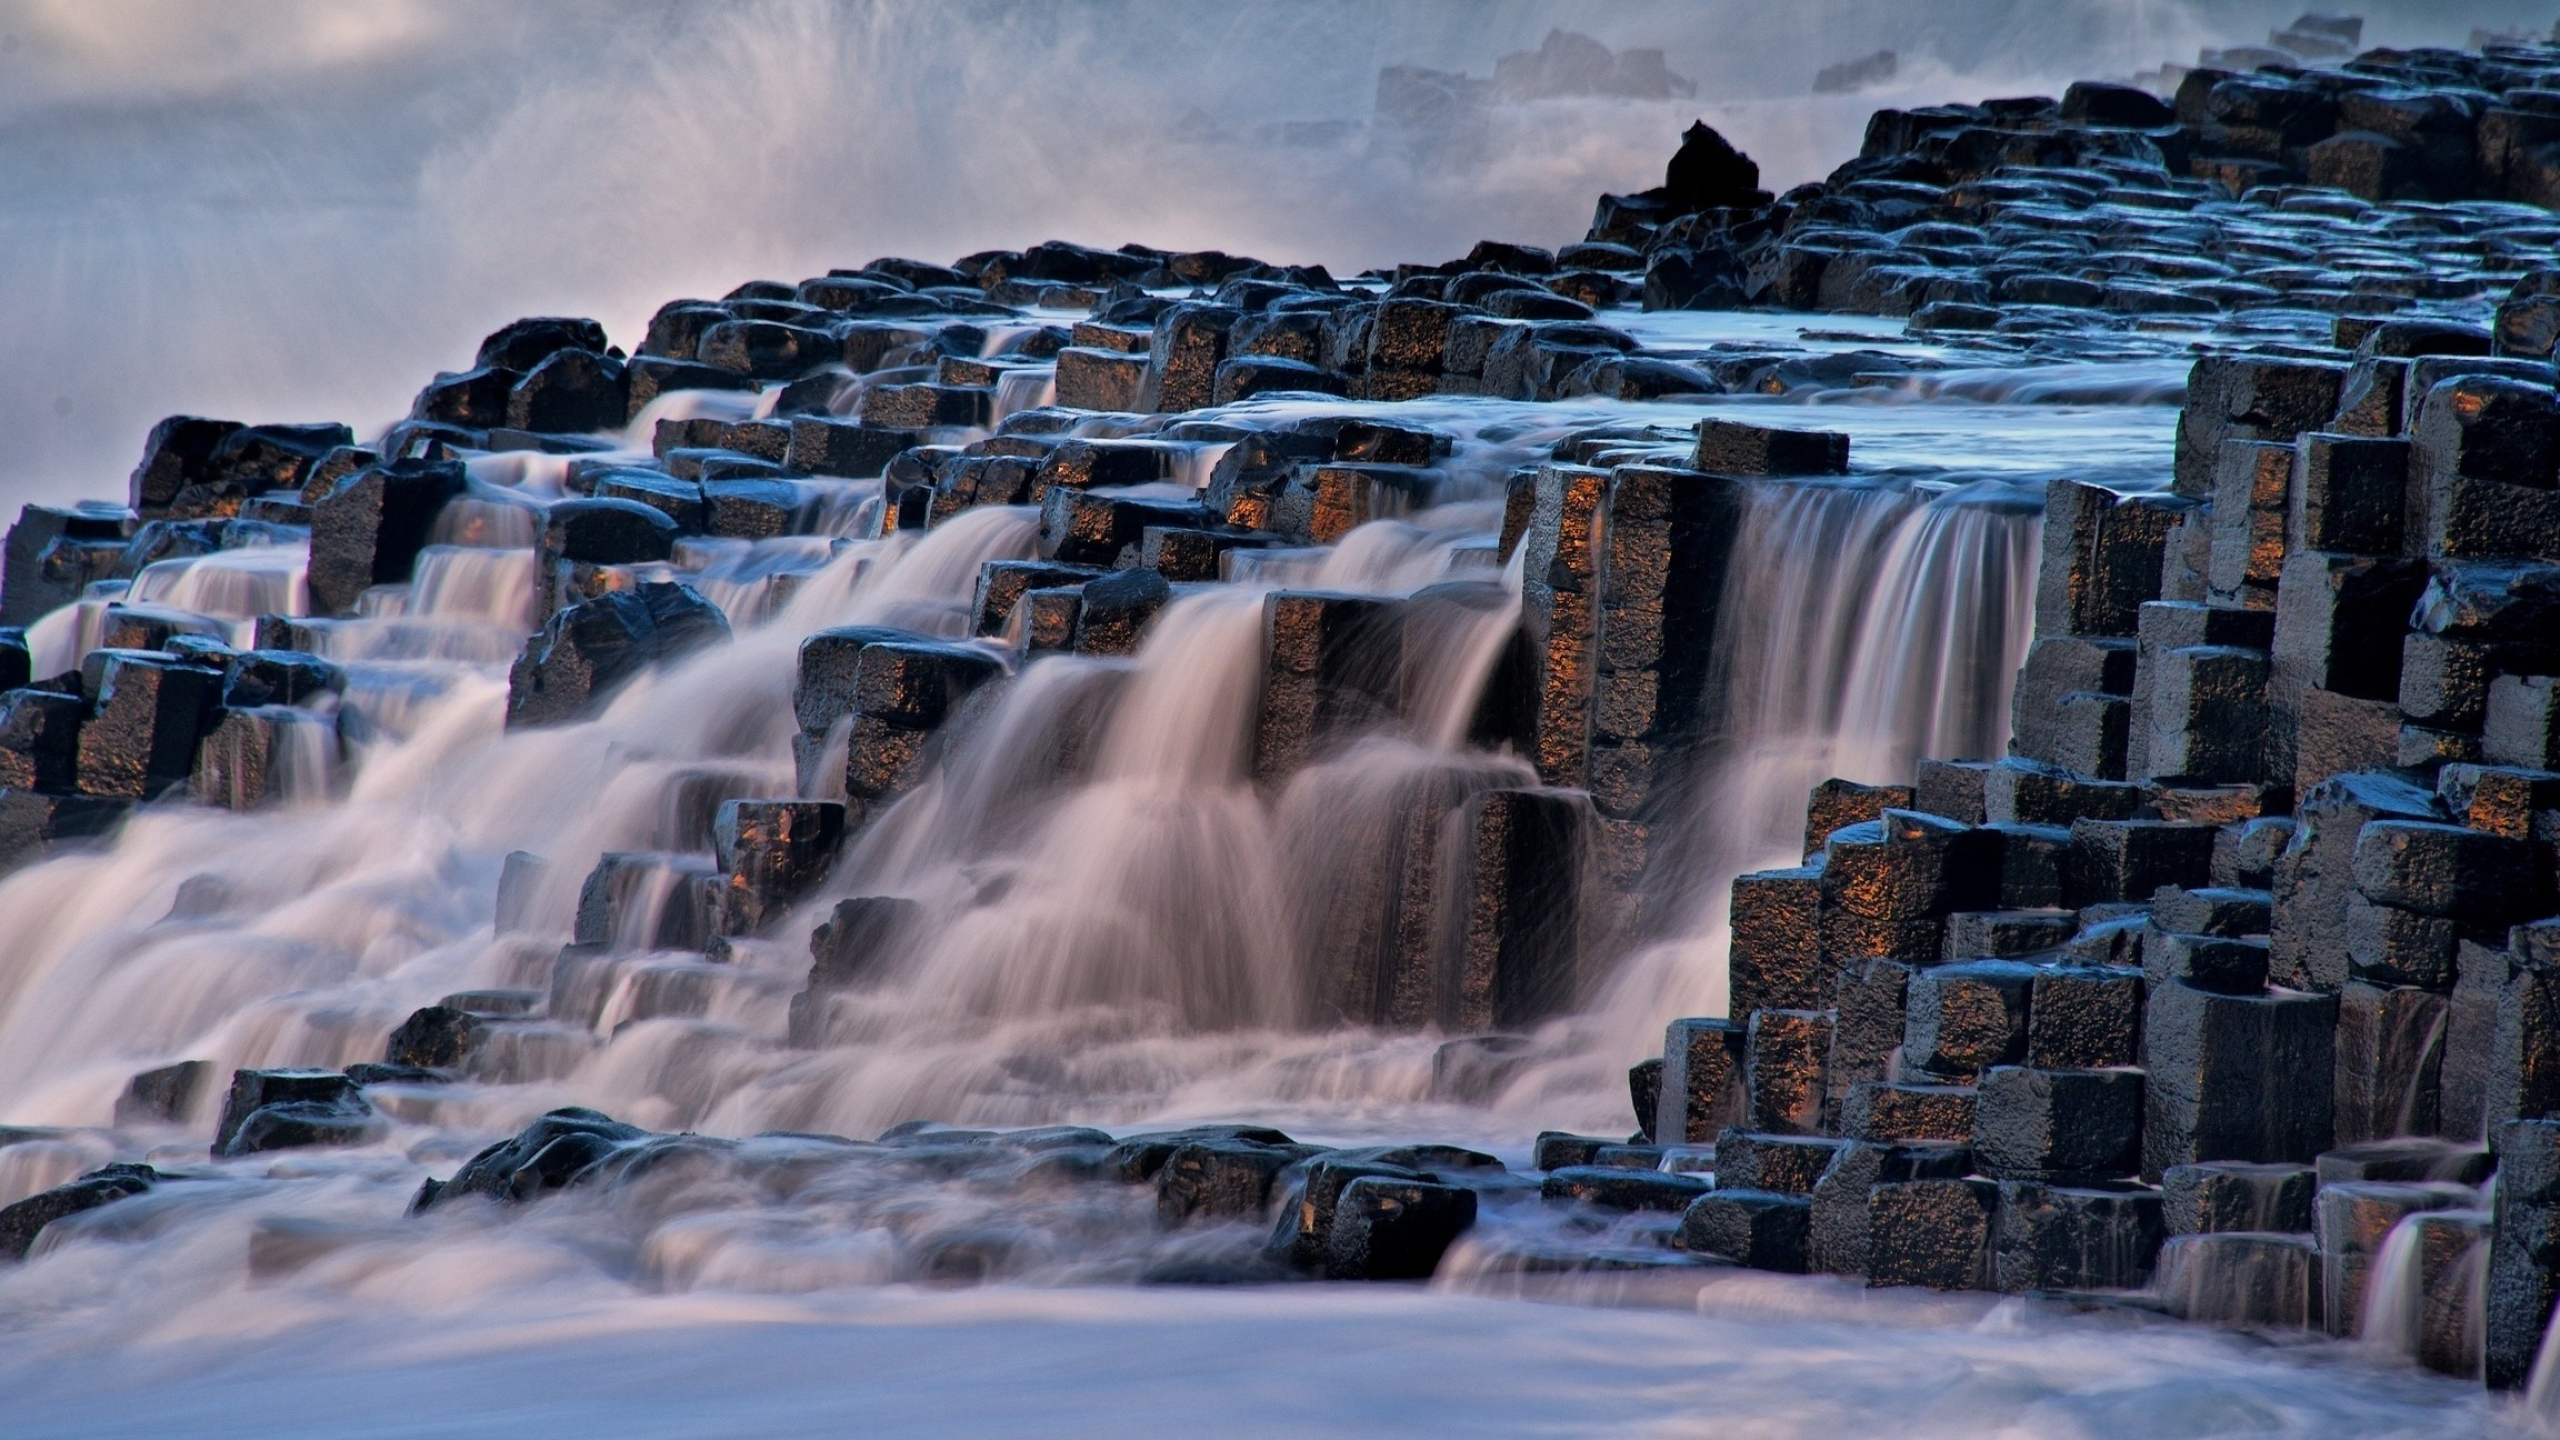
<point>300,210</point>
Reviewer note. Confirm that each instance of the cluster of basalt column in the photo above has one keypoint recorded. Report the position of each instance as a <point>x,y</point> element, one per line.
<point>2241,962</point>
<point>2243,948</point>
<point>1962,216</point>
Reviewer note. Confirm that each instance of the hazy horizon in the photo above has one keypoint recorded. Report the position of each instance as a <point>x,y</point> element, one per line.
<point>302,211</point>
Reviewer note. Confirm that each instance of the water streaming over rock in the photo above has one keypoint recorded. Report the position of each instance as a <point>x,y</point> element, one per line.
<point>1868,627</point>
<point>1108,914</point>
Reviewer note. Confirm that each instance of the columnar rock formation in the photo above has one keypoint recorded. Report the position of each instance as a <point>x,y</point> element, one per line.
<point>2239,961</point>
<point>2255,904</point>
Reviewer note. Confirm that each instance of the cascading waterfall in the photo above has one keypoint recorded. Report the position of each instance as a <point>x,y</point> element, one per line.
<point>2542,1389</point>
<point>2425,1301</point>
<point>1865,627</point>
<point>1120,924</point>
<point>1094,845</point>
<point>2240,1278</point>
<point>1150,879</point>
<point>381,894</point>
<point>1268,846</point>
<point>1024,389</point>
<point>229,584</point>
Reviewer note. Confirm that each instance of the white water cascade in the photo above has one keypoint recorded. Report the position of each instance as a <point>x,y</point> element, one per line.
<point>1119,925</point>
<point>1866,627</point>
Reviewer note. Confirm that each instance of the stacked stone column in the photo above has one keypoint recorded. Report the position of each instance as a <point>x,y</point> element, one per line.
<point>2237,949</point>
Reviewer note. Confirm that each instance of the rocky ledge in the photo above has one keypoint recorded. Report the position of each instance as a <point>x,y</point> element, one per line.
<point>2241,961</point>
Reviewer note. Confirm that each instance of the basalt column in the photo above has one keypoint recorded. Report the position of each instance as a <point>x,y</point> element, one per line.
<point>1625,572</point>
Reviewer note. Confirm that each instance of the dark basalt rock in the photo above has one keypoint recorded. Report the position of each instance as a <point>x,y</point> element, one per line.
<point>54,552</point>
<point>2092,102</point>
<point>1907,1111</point>
<point>647,377</point>
<point>1556,1150</point>
<point>1838,804</point>
<point>147,714</point>
<point>1784,1058</point>
<point>291,1109</point>
<point>1708,173</point>
<point>1247,376</point>
<point>1393,1229</point>
<point>679,500</point>
<point>772,853</point>
<point>1213,1179</point>
<point>2409,1159</point>
<point>2222,1076</point>
<point>1003,583</point>
<point>1777,950</point>
<point>1181,554</point>
<point>1117,609</point>
<point>1644,1091</point>
<point>468,400</point>
<point>2129,860</point>
<point>1303,1235</point>
<point>276,457</point>
<point>585,651</point>
<point>847,949</point>
<point>676,331</point>
<point>1698,1090</point>
<point>1138,1159</point>
<point>1756,1228</point>
<point>33,823</point>
<point>561,1149</point>
<point>162,1096</point>
<point>1932,1233</point>
<point>2306,735</point>
<point>573,391</point>
<point>824,446</point>
<point>2074,1237</point>
<point>524,344</point>
<point>607,532</point>
<point>1328,675</point>
<point>159,540</point>
<point>22,1222</point>
<point>1997,934</point>
<point>2483,459</point>
<point>1965,1018</point>
<point>2237,1195</point>
<point>1610,1188</point>
<point>2057,1124</point>
<point>1699,279</point>
<point>2226,965</point>
<point>369,529</point>
<point>277,677</point>
<point>828,672</point>
<point>439,1037</point>
<point>1782,1164</point>
<point>175,456</point>
<point>39,739</point>
<point>916,685</point>
<point>1840,1240</point>
<point>1728,447</point>
<point>2524,1254</point>
<point>766,349</point>
<point>2450,871</point>
<point>748,508</point>
<point>236,763</point>
<point>2313,877</point>
<point>650,900</point>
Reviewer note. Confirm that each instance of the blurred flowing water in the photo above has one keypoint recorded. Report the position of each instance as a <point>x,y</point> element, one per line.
<point>1121,929</point>
<point>1123,932</point>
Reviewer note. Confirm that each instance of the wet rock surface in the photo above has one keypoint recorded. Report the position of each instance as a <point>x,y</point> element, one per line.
<point>2198,973</point>
<point>22,1223</point>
